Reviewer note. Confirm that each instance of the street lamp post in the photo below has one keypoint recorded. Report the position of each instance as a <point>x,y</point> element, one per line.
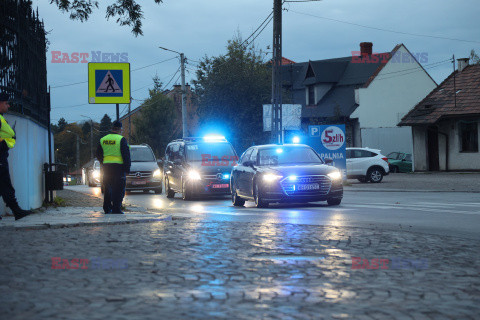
<point>91,136</point>
<point>78,149</point>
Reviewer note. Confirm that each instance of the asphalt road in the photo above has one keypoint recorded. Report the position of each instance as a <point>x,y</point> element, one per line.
<point>442,213</point>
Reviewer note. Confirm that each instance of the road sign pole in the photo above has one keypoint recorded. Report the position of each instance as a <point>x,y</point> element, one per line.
<point>118,112</point>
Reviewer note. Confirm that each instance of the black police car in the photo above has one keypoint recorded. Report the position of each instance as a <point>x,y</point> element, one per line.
<point>284,173</point>
<point>198,166</point>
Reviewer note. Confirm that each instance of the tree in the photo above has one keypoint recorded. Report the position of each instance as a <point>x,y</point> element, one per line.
<point>231,90</point>
<point>156,123</point>
<point>86,128</point>
<point>60,126</point>
<point>127,12</point>
<point>105,125</point>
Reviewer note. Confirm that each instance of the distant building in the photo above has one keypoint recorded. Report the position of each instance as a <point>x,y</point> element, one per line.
<point>368,92</point>
<point>445,124</point>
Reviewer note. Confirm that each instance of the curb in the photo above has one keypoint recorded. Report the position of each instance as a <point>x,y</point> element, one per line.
<point>84,224</point>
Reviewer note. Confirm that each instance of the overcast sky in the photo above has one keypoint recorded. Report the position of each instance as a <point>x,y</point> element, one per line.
<point>200,28</point>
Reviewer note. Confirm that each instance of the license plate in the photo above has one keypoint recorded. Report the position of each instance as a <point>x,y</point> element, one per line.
<point>139,182</point>
<point>220,186</point>
<point>310,186</point>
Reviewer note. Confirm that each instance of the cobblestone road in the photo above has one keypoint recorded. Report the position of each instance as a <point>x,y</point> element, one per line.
<point>191,269</point>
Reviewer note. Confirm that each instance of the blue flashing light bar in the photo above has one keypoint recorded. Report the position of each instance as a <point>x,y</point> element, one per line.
<point>214,138</point>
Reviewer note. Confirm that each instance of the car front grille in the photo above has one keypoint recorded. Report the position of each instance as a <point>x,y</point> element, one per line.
<point>139,174</point>
<point>291,187</point>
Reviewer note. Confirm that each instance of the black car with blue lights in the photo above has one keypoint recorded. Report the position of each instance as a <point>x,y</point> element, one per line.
<point>284,173</point>
<point>196,167</point>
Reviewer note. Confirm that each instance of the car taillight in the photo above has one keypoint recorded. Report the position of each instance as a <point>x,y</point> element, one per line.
<point>385,159</point>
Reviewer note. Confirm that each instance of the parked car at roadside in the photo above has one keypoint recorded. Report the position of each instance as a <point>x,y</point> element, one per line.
<point>366,164</point>
<point>400,162</point>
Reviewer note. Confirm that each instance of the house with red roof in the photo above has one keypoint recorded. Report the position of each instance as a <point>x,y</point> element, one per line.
<point>445,124</point>
<point>368,92</point>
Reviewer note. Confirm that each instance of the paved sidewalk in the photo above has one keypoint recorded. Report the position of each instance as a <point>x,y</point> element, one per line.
<point>187,269</point>
<point>80,210</point>
<point>425,182</point>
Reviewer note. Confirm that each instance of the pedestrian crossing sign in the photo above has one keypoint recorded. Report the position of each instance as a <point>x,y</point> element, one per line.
<point>109,83</point>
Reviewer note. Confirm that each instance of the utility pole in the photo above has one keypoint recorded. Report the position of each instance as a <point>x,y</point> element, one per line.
<point>277,134</point>
<point>184,105</point>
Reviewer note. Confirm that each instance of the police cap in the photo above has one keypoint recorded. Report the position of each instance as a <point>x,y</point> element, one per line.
<point>117,124</point>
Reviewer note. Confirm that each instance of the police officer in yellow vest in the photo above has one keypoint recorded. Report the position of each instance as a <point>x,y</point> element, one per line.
<point>114,154</point>
<point>7,142</point>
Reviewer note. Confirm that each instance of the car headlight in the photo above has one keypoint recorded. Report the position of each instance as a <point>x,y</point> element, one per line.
<point>194,175</point>
<point>157,173</point>
<point>335,175</point>
<point>270,177</point>
<point>96,174</point>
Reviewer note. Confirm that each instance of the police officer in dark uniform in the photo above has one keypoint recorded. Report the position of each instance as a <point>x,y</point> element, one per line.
<point>7,141</point>
<point>114,154</point>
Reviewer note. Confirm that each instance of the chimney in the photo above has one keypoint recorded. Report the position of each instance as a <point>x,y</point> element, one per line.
<point>366,48</point>
<point>462,64</point>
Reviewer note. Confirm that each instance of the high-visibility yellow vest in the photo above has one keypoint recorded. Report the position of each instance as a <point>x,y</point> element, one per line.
<point>111,148</point>
<point>7,133</point>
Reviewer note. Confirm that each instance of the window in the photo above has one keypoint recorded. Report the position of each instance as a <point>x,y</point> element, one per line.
<point>357,153</point>
<point>168,153</point>
<point>175,151</point>
<point>246,155</point>
<point>468,136</point>
<point>253,156</point>
<point>311,96</point>
<point>408,157</point>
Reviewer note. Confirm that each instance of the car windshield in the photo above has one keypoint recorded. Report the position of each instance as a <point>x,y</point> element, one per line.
<point>208,151</point>
<point>395,156</point>
<point>142,154</point>
<point>287,155</point>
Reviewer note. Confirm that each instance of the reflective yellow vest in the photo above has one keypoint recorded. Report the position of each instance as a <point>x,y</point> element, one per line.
<point>111,148</point>
<point>7,133</point>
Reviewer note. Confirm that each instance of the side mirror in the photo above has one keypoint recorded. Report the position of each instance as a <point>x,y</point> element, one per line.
<point>328,161</point>
<point>249,163</point>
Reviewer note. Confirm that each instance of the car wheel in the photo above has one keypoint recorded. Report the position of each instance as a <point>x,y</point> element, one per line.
<point>259,202</point>
<point>158,190</point>
<point>375,175</point>
<point>169,192</point>
<point>334,201</point>
<point>186,192</point>
<point>236,200</point>
<point>362,179</point>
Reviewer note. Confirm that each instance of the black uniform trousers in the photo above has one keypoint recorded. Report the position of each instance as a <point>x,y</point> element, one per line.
<point>6,188</point>
<point>114,181</point>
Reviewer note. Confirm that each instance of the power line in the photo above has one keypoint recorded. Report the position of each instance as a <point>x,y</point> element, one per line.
<point>262,29</point>
<point>381,29</point>
<point>261,24</point>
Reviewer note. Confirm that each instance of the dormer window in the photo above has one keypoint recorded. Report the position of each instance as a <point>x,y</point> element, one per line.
<point>311,95</point>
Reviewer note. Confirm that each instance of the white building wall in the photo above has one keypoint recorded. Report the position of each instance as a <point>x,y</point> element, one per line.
<point>392,93</point>
<point>26,161</point>
<point>388,139</point>
<point>461,160</point>
<point>419,149</point>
